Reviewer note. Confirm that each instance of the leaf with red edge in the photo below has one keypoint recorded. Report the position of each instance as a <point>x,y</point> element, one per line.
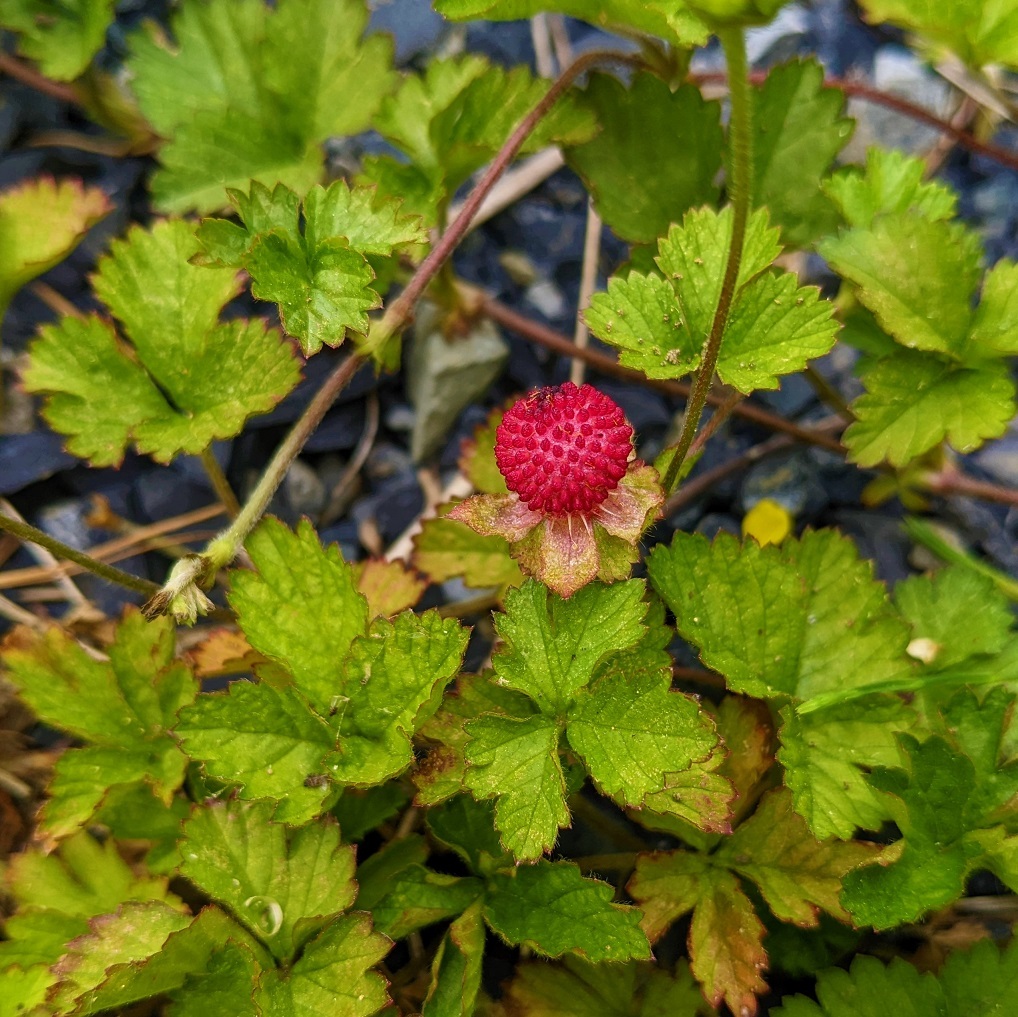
<point>41,222</point>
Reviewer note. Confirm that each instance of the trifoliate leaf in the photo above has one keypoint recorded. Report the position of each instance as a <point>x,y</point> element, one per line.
<point>633,733</point>
<point>798,130</point>
<point>453,119</point>
<point>823,754</point>
<point>311,260</point>
<point>725,934</point>
<point>995,328</point>
<point>553,909</point>
<point>268,741</point>
<point>456,970</point>
<point>446,548</point>
<point>656,17</point>
<point>656,156</point>
<point>141,951</point>
<point>870,990</point>
<point>892,182</point>
<point>916,275</point>
<point>913,401</point>
<point>945,803</point>
<point>393,681</point>
<point>939,609</point>
<point>333,975</point>
<point>576,988</point>
<point>187,380</point>
<point>124,708</point>
<point>984,35</point>
<point>61,36</point>
<point>282,884</point>
<point>797,875</point>
<point>250,92</point>
<point>403,895</point>
<point>798,621</point>
<point>516,762</point>
<point>660,325</point>
<point>301,608</point>
<point>41,221</point>
<point>552,646</point>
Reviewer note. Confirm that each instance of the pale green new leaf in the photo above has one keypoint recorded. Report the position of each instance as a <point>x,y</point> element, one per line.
<point>892,182</point>
<point>268,741</point>
<point>656,156</point>
<point>123,706</point>
<point>300,608</point>
<point>798,130</point>
<point>446,548</point>
<point>250,92</point>
<point>914,401</point>
<point>333,976</point>
<point>393,681</point>
<point>796,621</point>
<point>916,275</point>
<point>61,36</point>
<point>187,379</point>
<point>516,762</point>
<point>797,875</point>
<point>41,222</point>
<point>282,884</point>
<point>553,909</point>
<point>552,646</point>
<point>824,754</point>
<point>995,328</point>
<point>980,33</point>
<point>634,733</point>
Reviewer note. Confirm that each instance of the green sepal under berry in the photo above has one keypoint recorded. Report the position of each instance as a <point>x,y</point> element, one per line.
<point>250,92</point>
<point>659,322</point>
<point>126,706</point>
<point>184,380</point>
<point>311,257</point>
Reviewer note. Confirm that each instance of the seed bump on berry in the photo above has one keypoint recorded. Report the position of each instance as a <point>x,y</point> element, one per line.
<point>563,449</point>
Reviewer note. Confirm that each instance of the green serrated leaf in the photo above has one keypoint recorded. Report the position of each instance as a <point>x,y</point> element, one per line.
<point>250,92</point>
<point>797,875</point>
<point>798,131</point>
<point>446,548</point>
<point>552,646</point>
<point>301,608</point>
<point>823,754</point>
<point>811,610</point>
<point>516,761</point>
<point>393,681</point>
<point>187,379</point>
<point>995,328</point>
<point>61,36</point>
<point>985,34</point>
<point>552,908</point>
<point>125,707</point>
<point>333,975</point>
<point>359,811</point>
<point>892,183</point>
<point>916,275</point>
<point>225,986</point>
<point>634,733</point>
<point>41,221</point>
<point>268,741</point>
<point>283,885</point>
<point>939,608</point>
<point>477,457</point>
<point>467,827</point>
<point>456,970</point>
<point>656,156</point>
<point>913,401</point>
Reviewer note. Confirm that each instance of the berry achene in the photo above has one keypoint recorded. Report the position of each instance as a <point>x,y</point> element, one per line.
<point>564,449</point>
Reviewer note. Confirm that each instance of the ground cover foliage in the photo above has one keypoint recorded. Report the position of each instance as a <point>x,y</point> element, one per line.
<point>358,822</point>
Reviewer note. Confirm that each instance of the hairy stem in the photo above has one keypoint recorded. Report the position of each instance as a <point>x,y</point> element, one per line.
<point>399,312</point>
<point>25,531</point>
<point>220,484</point>
<point>740,140</point>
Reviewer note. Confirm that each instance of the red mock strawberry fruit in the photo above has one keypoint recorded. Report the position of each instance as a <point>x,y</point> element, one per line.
<point>578,498</point>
